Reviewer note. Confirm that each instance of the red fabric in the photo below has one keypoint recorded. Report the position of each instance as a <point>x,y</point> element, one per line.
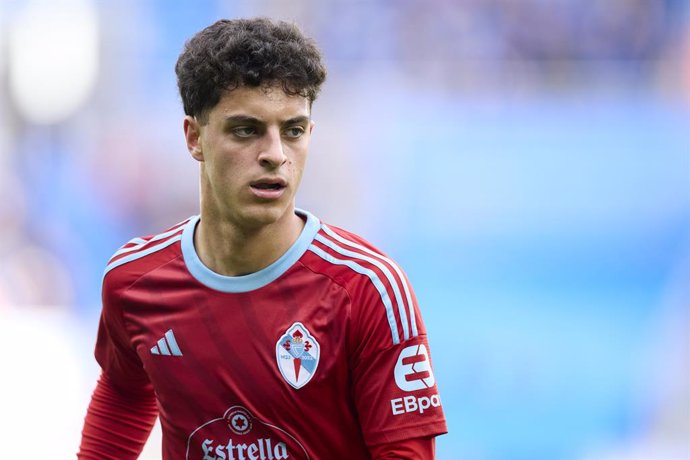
<point>216,350</point>
<point>416,448</point>
<point>117,424</point>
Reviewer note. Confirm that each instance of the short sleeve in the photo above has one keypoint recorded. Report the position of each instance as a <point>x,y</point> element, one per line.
<point>394,386</point>
<point>114,351</point>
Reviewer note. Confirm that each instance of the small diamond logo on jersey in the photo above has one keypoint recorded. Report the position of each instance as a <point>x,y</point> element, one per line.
<point>297,353</point>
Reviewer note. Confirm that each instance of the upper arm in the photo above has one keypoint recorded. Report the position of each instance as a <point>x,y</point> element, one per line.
<point>394,386</point>
<point>416,448</point>
<point>114,350</point>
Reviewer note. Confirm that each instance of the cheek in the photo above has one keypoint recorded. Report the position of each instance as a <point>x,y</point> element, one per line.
<point>224,173</point>
<point>298,157</point>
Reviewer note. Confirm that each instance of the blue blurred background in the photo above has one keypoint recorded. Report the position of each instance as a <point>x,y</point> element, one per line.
<point>526,161</point>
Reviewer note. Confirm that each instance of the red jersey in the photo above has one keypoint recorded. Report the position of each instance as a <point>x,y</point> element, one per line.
<point>320,355</point>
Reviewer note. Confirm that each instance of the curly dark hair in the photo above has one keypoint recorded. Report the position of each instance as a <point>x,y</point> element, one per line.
<point>246,52</point>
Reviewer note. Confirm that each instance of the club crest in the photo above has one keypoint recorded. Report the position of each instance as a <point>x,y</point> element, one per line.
<point>297,353</point>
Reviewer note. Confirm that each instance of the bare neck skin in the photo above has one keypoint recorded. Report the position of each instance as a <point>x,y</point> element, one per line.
<point>233,250</point>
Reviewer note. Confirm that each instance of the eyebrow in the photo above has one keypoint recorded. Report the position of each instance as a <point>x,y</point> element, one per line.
<point>296,120</point>
<point>238,119</point>
<point>242,119</point>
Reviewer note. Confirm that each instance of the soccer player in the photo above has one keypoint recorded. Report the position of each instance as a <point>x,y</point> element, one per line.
<point>254,330</point>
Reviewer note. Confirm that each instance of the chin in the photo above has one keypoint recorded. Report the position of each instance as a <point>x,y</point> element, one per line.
<point>264,214</point>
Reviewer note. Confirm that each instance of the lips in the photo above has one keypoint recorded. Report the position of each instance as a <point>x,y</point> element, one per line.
<point>274,183</point>
<point>268,188</point>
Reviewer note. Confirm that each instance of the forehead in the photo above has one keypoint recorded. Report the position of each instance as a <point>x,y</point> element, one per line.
<point>264,103</point>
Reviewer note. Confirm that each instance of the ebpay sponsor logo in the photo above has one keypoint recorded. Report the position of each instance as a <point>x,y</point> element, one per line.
<point>409,404</point>
<point>413,372</point>
<point>238,435</point>
<point>413,369</point>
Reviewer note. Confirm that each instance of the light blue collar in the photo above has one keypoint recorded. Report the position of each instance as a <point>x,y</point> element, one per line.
<point>246,283</point>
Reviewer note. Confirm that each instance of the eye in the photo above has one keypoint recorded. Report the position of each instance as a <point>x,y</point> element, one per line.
<point>294,132</point>
<point>244,131</point>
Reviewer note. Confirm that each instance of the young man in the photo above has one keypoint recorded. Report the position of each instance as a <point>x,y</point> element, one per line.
<point>256,331</point>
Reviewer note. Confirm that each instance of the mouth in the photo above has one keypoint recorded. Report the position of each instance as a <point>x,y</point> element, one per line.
<point>269,184</point>
<point>270,188</point>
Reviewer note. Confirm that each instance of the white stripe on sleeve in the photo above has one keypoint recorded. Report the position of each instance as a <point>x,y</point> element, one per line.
<point>375,281</point>
<point>403,281</point>
<point>143,253</point>
<point>387,273</point>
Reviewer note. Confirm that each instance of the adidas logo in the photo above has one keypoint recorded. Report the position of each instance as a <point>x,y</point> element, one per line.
<point>167,346</point>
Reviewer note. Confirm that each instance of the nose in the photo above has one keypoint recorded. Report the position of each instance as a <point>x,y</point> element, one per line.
<point>272,153</point>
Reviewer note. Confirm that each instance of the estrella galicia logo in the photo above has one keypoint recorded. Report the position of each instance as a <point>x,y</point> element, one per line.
<point>238,434</point>
<point>239,420</point>
<point>297,353</point>
<point>413,370</point>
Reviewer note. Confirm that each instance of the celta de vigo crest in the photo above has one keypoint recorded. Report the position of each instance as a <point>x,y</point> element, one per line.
<point>297,353</point>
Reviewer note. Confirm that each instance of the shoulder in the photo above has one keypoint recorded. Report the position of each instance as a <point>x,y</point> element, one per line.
<point>348,256</point>
<point>145,253</point>
<point>376,283</point>
<point>340,247</point>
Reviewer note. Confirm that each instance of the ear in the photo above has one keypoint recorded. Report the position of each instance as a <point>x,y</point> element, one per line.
<point>311,126</point>
<point>192,134</point>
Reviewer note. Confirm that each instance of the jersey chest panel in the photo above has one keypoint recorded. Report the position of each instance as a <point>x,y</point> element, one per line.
<point>211,354</point>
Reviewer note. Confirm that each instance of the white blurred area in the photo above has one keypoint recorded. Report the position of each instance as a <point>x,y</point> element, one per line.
<point>44,379</point>
<point>47,381</point>
<point>52,58</point>
<point>527,162</point>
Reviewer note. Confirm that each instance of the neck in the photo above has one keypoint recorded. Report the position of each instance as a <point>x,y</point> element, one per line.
<point>231,250</point>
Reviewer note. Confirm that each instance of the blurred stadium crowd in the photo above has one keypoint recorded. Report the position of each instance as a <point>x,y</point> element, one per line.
<point>76,183</point>
<point>527,160</point>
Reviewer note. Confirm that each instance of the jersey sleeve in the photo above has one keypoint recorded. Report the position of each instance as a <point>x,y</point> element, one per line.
<point>117,425</point>
<point>394,386</point>
<point>114,352</point>
<point>122,409</point>
<point>417,448</point>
